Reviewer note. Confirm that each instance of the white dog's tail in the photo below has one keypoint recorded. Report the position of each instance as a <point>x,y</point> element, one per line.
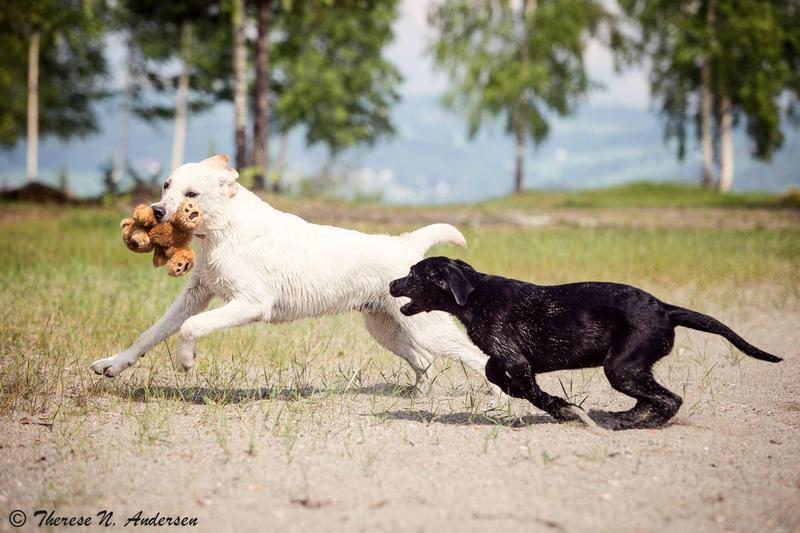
<point>425,238</point>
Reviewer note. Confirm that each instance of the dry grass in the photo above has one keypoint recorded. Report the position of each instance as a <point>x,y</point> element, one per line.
<point>72,293</point>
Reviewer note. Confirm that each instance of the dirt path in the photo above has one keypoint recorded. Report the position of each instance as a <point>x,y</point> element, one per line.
<point>637,217</point>
<point>370,459</point>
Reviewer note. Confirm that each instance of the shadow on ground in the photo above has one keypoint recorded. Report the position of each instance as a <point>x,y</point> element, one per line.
<point>229,396</point>
<point>466,419</point>
<point>604,419</point>
<point>225,395</point>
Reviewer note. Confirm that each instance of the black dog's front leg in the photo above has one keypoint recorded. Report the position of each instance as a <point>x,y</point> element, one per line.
<point>515,379</point>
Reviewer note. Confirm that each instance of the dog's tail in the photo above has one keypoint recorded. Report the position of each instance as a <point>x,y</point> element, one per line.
<point>427,237</point>
<point>692,319</point>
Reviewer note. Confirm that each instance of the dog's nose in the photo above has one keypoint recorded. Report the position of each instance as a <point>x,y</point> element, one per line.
<point>395,287</point>
<point>158,211</point>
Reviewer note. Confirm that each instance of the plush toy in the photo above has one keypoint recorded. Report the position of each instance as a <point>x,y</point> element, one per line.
<point>169,241</point>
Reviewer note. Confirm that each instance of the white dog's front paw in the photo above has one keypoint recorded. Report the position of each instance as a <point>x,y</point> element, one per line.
<point>184,359</point>
<point>108,367</point>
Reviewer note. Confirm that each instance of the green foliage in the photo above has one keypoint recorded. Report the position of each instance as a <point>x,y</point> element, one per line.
<point>672,38</point>
<point>751,65</point>
<point>515,65</point>
<point>72,69</point>
<point>157,33</point>
<point>751,47</point>
<point>329,73</point>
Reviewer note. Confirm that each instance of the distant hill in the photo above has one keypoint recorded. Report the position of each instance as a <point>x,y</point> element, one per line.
<point>430,160</point>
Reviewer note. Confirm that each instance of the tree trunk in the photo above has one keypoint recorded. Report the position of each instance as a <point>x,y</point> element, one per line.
<point>519,160</point>
<point>706,139</point>
<point>706,107</point>
<point>121,153</point>
<point>182,98</point>
<point>240,83</point>
<point>33,108</point>
<point>261,124</point>
<point>528,12</point>
<point>281,166</point>
<point>725,144</point>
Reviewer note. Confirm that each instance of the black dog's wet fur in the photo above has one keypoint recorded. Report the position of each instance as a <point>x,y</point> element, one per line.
<point>527,329</point>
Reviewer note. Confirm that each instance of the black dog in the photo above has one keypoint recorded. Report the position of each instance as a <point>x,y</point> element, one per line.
<point>527,329</point>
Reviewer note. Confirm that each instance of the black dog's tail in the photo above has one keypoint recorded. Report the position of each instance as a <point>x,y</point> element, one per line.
<point>692,319</point>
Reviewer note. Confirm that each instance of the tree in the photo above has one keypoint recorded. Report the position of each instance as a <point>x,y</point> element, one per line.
<point>516,64</point>
<point>52,60</point>
<point>130,83</point>
<point>260,151</point>
<point>674,38</point>
<point>791,20</point>
<point>193,34</point>
<point>707,105</point>
<point>715,62</point>
<point>238,15</point>
<point>330,76</point>
<point>751,71</point>
<point>121,20</point>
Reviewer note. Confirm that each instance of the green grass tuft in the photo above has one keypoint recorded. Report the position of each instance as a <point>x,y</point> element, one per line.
<point>644,194</point>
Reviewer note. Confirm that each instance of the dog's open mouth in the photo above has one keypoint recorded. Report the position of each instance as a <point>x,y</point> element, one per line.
<point>409,309</point>
<point>194,215</point>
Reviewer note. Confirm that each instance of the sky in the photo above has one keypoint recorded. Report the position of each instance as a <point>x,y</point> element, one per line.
<point>628,89</point>
<point>613,137</point>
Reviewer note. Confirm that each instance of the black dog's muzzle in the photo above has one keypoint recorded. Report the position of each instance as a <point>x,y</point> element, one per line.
<point>397,286</point>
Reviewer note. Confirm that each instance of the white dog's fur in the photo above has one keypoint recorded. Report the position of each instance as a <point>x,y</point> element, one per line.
<point>275,267</point>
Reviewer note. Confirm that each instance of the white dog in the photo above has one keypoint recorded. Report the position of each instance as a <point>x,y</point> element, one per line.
<point>275,267</point>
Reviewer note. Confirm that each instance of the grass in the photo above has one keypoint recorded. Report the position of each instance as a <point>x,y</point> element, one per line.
<point>645,194</point>
<point>72,293</point>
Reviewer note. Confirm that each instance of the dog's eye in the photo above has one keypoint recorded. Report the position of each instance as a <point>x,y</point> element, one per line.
<point>166,185</point>
<point>190,194</point>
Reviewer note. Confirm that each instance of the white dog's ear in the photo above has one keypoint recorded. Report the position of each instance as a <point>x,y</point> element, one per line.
<point>217,162</point>
<point>227,179</point>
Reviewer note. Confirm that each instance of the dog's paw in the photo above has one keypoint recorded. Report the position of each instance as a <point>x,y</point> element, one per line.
<point>108,367</point>
<point>184,363</point>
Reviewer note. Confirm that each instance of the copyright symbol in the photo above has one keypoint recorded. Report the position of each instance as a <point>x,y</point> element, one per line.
<point>17,518</point>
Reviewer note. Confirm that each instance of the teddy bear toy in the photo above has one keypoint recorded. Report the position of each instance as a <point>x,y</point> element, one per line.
<point>169,240</point>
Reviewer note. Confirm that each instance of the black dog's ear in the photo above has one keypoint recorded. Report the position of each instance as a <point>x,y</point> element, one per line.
<point>459,286</point>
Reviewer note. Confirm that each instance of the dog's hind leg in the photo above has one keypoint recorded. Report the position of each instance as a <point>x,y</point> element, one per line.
<point>388,332</point>
<point>628,367</point>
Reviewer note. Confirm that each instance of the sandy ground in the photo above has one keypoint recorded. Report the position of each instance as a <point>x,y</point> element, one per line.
<point>327,212</point>
<point>468,216</point>
<point>370,458</point>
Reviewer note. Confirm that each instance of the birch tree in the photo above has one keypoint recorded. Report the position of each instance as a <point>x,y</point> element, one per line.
<point>719,63</point>
<point>185,46</point>
<point>238,16</point>
<point>330,74</point>
<point>517,62</point>
<point>51,71</point>
<point>260,151</point>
